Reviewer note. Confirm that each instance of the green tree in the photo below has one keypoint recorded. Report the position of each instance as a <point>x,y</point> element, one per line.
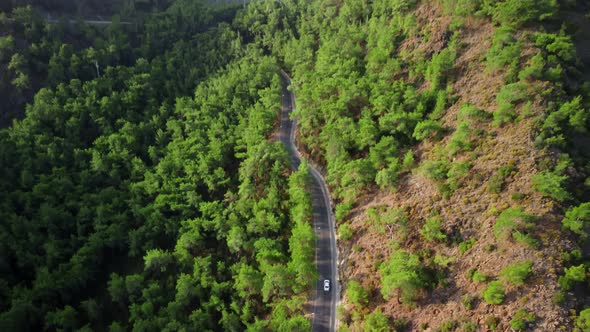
<point>577,220</point>
<point>432,229</point>
<point>404,273</point>
<point>376,322</point>
<point>357,294</point>
<point>551,185</point>
<point>517,273</point>
<point>583,320</point>
<point>494,293</point>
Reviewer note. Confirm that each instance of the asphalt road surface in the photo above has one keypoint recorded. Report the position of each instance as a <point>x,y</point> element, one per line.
<point>324,307</point>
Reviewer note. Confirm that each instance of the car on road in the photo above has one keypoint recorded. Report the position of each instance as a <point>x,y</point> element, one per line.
<point>326,285</point>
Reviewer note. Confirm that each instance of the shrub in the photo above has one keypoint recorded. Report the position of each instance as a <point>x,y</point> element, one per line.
<point>577,220</point>
<point>468,301</point>
<point>357,294</point>
<point>509,96</point>
<point>345,232</point>
<point>492,323</point>
<point>466,245</point>
<point>461,139</point>
<point>496,182</point>
<point>518,12</point>
<point>436,170</point>
<point>551,185</point>
<point>518,197</point>
<point>388,178</point>
<point>517,273</point>
<point>583,321</point>
<point>479,277</point>
<point>342,210</point>
<point>404,273</point>
<point>458,172</point>
<point>521,319</point>
<point>505,49</point>
<point>469,326</point>
<point>432,229</point>
<point>494,293</point>
<point>438,68</point>
<point>376,321</point>
<point>525,239</point>
<point>476,276</point>
<point>511,220</point>
<point>448,326</point>
<point>427,128</point>
<point>409,161</point>
<point>535,68</point>
<point>572,274</point>
<point>471,112</point>
<point>571,114</point>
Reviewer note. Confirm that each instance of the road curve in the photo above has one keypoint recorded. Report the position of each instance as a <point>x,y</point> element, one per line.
<point>326,253</point>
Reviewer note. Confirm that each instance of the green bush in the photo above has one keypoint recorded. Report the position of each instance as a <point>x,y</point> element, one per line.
<point>472,112</point>
<point>432,229</point>
<point>404,273</point>
<point>388,178</point>
<point>521,319</point>
<point>505,50</point>
<point>466,245</point>
<point>427,128</point>
<point>345,233</point>
<point>551,185</point>
<point>525,239</point>
<point>571,116</point>
<point>342,210</point>
<point>469,326</point>
<point>509,96</point>
<point>357,294</point>
<point>492,322</point>
<point>460,140</point>
<point>496,182</point>
<point>448,326</point>
<point>476,276</point>
<point>376,322</point>
<point>439,67</point>
<point>494,293</point>
<point>457,173</point>
<point>436,170</point>
<point>518,12</point>
<point>583,321</point>
<point>510,221</point>
<point>571,276</point>
<point>409,161</point>
<point>577,220</point>
<point>468,301</point>
<point>517,273</point>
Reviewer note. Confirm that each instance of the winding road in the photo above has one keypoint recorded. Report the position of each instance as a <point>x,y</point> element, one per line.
<point>326,253</point>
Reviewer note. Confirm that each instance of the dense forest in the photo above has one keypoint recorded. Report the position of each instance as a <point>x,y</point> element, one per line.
<point>143,188</point>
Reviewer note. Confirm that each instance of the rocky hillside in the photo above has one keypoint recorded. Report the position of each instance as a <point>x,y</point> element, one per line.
<point>454,138</point>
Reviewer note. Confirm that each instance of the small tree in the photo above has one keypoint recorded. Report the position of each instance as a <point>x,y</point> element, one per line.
<point>577,220</point>
<point>432,229</point>
<point>404,273</point>
<point>376,322</point>
<point>357,294</point>
<point>517,273</point>
<point>551,185</point>
<point>495,293</point>
<point>572,275</point>
<point>583,321</point>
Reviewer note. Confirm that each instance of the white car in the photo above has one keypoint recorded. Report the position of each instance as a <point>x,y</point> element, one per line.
<point>326,285</point>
